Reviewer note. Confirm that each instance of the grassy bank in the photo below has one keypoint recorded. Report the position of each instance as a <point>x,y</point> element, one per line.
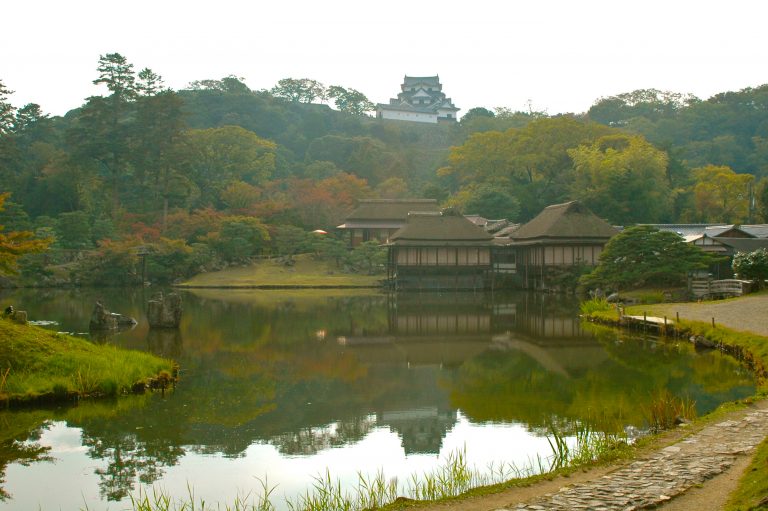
<point>272,273</point>
<point>40,365</point>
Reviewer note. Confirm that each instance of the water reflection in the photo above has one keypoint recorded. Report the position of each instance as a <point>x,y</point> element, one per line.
<point>310,372</point>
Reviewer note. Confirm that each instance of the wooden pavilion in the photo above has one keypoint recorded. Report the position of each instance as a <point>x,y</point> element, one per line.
<point>378,219</point>
<point>558,239</point>
<point>439,250</point>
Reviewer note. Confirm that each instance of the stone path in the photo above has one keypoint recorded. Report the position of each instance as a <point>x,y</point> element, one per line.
<point>657,478</point>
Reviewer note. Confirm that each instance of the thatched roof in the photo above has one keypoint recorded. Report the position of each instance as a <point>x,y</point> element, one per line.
<point>390,209</point>
<point>571,221</point>
<point>444,228</point>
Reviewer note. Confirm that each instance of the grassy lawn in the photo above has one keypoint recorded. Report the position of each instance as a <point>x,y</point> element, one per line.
<point>307,272</point>
<point>37,363</point>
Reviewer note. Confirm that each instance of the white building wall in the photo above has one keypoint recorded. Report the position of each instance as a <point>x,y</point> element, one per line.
<point>408,116</point>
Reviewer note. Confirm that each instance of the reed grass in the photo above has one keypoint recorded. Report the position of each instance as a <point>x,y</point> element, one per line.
<point>595,305</point>
<point>4,379</point>
<point>666,410</point>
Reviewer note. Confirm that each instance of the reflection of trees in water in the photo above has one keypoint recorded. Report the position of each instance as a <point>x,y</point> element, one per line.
<point>310,441</point>
<point>129,458</point>
<point>605,391</point>
<point>19,442</point>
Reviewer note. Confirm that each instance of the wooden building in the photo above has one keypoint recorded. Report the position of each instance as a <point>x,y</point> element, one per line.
<point>379,219</point>
<point>440,250</point>
<point>558,239</point>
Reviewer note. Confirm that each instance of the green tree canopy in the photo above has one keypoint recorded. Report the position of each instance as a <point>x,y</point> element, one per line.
<point>643,255</point>
<point>623,179</point>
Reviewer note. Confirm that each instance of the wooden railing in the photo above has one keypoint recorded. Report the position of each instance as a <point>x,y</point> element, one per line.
<point>705,288</point>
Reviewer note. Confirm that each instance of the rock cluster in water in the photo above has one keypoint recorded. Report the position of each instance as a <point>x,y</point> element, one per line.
<point>164,311</point>
<point>102,319</point>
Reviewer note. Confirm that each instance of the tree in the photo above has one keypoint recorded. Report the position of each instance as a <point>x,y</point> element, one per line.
<point>229,84</point>
<point>476,112</point>
<point>644,255</point>
<point>649,103</point>
<point>15,244</point>
<point>623,179</point>
<point>492,202</point>
<point>530,163</point>
<point>156,149</point>
<point>215,157</point>
<point>6,110</point>
<point>101,133</point>
<point>301,90</point>
<point>117,74</point>
<point>73,230</point>
<point>350,100</point>
<point>752,266</point>
<point>149,83</point>
<point>721,195</point>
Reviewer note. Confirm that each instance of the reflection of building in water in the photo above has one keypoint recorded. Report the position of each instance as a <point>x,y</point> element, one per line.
<point>429,336</point>
<point>421,429</point>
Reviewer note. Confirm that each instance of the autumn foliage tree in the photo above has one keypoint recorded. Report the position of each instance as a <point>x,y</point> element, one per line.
<point>15,244</point>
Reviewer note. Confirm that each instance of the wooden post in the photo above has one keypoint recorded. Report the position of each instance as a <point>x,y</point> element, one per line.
<point>713,322</point>
<point>678,316</point>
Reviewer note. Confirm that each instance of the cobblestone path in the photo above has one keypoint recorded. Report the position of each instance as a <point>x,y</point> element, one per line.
<point>657,478</point>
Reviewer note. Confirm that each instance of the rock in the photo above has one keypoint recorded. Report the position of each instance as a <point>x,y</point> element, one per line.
<point>703,342</point>
<point>164,311</point>
<point>19,317</point>
<point>102,319</point>
<point>612,298</point>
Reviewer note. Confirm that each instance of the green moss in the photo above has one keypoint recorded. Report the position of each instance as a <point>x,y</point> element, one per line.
<point>40,363</point>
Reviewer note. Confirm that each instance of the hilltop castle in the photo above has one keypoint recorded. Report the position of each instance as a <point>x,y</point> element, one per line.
<point>421,100</point>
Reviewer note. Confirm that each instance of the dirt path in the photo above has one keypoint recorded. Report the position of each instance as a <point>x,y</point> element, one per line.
<point>689,470</point>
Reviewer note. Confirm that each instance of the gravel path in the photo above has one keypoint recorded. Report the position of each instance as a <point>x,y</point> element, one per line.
<point>657,478</point>
<point>747,314</point>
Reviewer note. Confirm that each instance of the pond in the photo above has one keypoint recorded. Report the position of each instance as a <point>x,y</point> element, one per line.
<point>284,385</point>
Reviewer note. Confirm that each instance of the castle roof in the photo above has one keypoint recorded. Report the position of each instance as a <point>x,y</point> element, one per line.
<point>410,81</point>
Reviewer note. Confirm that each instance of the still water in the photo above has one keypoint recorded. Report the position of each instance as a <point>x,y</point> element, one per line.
<point>283,385</point>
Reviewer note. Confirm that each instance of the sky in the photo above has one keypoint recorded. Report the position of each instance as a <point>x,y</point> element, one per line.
<point>549,55</point>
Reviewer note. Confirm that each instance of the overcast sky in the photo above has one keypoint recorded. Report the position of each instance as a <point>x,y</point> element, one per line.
<point>561,55</point>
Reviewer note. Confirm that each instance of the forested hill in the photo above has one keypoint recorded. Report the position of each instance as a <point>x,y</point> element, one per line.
<point>218,163</point>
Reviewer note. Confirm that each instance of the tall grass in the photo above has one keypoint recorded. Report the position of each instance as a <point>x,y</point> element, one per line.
<point>666,410</point>
<point>595,305</point>
<point>4,379</point>
<point>451,479</point>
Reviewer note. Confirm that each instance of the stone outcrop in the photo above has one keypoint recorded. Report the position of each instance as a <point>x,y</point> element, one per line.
<point>164,311</point>
<point>19,317</point>
<point>102,319</point>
